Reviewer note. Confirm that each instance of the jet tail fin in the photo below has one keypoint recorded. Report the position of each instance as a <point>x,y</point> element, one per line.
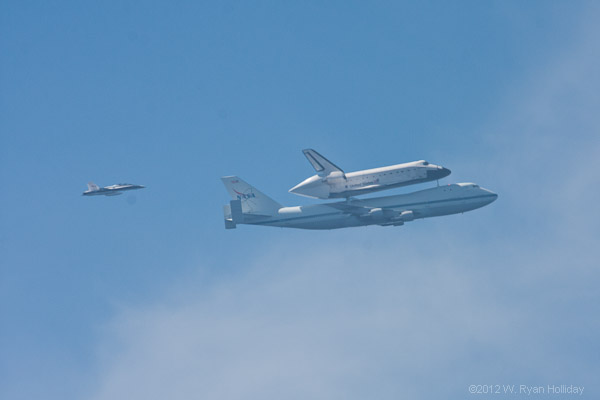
<point>92,187</point>
<point>320,163</point>
<point>253,201</point>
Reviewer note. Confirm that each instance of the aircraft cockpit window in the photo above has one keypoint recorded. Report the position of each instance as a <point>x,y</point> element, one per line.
<point>425,163</point>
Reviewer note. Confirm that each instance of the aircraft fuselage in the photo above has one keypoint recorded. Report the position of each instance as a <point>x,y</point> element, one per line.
<point>113,190</point>
<point>339,185</point>
<point>385,211</point>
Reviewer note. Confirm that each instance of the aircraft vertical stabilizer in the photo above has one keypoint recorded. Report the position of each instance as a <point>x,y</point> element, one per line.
<point>253,200</point>
<point>322,165</point>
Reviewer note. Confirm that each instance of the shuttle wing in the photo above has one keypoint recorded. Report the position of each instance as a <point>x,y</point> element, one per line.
<point>320,163</point>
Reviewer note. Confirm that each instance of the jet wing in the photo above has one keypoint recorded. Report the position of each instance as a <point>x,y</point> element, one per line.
<point>386,216</point>
<point>351,208</point>
<point>320,163</point>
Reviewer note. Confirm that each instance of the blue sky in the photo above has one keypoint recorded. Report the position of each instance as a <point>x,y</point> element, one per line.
<point>147,296</point>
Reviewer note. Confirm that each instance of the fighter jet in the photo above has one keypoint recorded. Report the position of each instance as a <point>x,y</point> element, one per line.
<point>331,182</point>
<point>113,190</point>
<point>252,207</point>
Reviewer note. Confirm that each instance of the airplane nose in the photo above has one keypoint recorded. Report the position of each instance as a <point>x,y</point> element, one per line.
<point>312,187</point>
<point>491,196</point>
<point>438,173</point>
<point>302,189</point>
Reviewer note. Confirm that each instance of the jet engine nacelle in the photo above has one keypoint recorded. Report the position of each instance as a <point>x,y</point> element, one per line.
<point>406,216</point>
<point>376,213</point>
<point>393,218</point>
<point>382,214</point>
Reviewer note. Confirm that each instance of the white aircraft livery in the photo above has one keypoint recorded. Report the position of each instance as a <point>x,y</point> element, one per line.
<point>252,207</point>
<point>331,182</point>
<point>113,190</point>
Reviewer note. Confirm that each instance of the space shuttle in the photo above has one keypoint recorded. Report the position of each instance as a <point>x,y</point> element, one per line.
<point>331,182</point>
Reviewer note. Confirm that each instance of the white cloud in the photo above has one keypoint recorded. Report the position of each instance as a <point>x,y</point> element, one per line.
<point>386,320</point>
<point>322,326</point>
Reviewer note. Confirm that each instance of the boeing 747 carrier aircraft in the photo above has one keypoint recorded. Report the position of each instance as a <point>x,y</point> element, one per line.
<point>331,182</point>
<point>252,207</point>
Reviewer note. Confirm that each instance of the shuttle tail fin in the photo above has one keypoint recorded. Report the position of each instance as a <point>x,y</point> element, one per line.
<point>253,200</point>
<point>320,163</point>
<point>92,186</point>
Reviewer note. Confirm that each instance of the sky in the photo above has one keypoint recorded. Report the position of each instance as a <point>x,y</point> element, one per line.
<point>147,296</point>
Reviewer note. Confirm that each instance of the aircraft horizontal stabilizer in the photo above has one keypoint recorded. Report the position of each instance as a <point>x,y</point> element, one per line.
<point>229,224</point>
<point>237,215</point>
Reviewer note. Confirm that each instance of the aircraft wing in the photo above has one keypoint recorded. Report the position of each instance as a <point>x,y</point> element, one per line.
<point>351,208</point>
<point>320,163</point>
<point>386,216</point>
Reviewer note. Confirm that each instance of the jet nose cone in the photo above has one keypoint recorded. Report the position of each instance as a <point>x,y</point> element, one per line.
<point>491,196</point>
<point>438,173</point>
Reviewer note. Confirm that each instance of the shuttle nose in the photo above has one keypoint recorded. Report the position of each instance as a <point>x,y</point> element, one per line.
<point>445,172</point>
<point>311,187</point>
<point>302,187</point>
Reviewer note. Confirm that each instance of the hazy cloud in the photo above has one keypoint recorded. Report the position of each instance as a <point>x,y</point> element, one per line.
<point>387,321</point>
